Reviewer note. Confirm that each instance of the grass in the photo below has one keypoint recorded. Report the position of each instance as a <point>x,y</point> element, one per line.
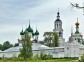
<point>55,60</point>
<point>36,60</point>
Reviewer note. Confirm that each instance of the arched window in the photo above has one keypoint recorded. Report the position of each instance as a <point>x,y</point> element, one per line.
<point>60,34</point>
<point>57,25</point>
<point>60,26</point>
<point>78,39</point>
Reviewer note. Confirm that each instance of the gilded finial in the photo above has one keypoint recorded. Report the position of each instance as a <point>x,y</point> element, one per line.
<point>77,24</point>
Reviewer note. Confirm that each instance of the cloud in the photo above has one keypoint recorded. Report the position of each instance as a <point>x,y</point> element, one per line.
<point>15,13</point>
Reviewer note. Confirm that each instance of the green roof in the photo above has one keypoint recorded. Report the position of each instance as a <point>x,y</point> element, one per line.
<point>76,32</point>
<point>22,33</point>
<point>29,29</point>
<point>36,33</point>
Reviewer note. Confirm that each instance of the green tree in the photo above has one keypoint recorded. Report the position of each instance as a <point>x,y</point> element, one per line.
<point>55,40</point>
<point>52,39</point>
<point>26,51</point>
<point>48,38</point>
<point>1,46</point>
<point>6,45</point>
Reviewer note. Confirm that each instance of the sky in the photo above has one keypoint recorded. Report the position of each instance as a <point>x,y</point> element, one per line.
<point>42,13</point>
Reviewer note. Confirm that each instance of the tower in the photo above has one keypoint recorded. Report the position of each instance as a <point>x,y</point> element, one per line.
<point>78,35</point>
<point>30,30</point>
<point>58,29</point>
<point>77,27</point>
<point>58,26</point>
<point>36,35</point>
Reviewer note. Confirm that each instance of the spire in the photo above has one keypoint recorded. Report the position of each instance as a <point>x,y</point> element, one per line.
<point>29,29</point>
<point>22,33</point>
<point>36,27</point>
<point>58,16</point>
<point>77,26</point>
<point>29,22</point>
<point>36,33</point>
<point>22,27</point>
<point>71,30</point>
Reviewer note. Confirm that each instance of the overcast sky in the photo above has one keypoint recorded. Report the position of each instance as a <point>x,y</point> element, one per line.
<point>15,13</point>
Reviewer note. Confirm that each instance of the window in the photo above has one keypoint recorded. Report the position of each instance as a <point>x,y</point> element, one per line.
<point>57,25</point>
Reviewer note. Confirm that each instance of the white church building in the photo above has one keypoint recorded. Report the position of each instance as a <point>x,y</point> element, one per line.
<point>72,48</point>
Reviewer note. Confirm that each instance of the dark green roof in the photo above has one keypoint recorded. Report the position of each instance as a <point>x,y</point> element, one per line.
<point>36,33</point>
<point>22,33</point>
<point>76,32</point>
<point>29,29</point>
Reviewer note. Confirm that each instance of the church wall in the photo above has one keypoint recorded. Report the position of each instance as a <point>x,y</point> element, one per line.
<point>81,51</point>
<point>9,54</point>
<point>37,52</point>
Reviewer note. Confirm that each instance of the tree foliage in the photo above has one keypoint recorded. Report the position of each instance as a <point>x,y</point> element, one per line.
<point>5,45</point>
<point>55,40</point>
<point>51,38</point>
<point>1,46</point>
<point>48,38</point>
<point>26,51</point>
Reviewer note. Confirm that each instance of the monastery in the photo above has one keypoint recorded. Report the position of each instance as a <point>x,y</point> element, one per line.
<point>74,47</point>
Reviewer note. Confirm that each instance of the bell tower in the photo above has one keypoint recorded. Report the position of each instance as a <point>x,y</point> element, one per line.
<point>58,26</point>
<point>58,29</point>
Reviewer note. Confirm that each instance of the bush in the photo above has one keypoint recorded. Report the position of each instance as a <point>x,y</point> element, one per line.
<point>45,56</point>
<point>42,57</point>
<point>73,58</point>
<point>36,57</point>
<point>14,59</point>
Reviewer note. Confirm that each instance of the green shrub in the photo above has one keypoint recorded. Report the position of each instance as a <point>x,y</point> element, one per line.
<point>73,58</point>
<point>45,56</point>
<point>35,58</point>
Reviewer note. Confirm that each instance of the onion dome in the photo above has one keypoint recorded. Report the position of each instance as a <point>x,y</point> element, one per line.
<point>22,33</point>
<point>29,29</point>
<point>58,17</point>
<point>36,33</point>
